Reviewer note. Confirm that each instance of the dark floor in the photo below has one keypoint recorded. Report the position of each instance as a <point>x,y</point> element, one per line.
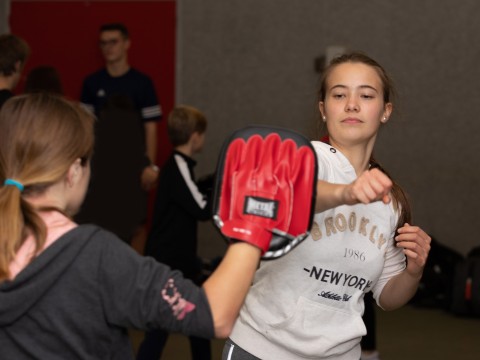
<point>406,334</point>
<point>417,333</point>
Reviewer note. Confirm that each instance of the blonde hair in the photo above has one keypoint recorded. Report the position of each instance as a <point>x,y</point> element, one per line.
<point>41,135</point>
<point>183,121</point>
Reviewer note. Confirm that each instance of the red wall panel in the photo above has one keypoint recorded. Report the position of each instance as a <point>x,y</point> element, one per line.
<point>64,34</point>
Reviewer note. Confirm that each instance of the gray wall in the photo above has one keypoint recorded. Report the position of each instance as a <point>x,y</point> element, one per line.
<point>252,61</point>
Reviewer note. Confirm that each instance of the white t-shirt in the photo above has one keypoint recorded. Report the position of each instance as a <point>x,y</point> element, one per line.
<point>309,303</point>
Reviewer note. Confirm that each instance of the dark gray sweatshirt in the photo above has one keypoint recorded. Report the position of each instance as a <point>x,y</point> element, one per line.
<point>77,299</point>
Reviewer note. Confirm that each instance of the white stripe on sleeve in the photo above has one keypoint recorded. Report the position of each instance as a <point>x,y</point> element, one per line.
<point>197,195</point>
<point>230,352</point>
<point>151,111</point>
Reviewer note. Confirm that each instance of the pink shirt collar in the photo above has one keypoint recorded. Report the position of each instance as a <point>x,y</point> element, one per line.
<point>57,225</point>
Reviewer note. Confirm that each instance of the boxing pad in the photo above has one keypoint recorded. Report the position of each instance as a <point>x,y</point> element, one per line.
<point>265,188</point>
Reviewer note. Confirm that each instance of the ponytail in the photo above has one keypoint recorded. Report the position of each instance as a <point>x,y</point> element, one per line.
<point>16,216</point>
<point>399,197</point>
<point>12,224</point>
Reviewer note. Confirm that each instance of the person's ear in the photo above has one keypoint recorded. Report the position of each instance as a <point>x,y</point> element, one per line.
<point>74,172</point>
<point>18,66</point>
<point>194,138</point>
<point>387,112</point>
<point>321,107</point>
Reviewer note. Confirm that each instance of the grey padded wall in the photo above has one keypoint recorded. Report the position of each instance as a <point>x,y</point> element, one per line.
<point>252,61</point>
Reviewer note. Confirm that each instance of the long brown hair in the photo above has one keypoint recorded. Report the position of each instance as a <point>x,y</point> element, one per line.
<point>398,194</point>
<point>41,135</point>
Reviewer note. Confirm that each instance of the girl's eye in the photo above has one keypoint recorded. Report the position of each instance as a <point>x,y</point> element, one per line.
<point>367,96</point>
<point>338,96</point>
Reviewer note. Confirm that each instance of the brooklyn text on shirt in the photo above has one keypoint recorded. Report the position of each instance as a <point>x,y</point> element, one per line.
<point>341,223</point>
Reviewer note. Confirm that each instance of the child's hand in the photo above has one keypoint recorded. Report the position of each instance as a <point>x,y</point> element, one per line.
<point>416,246</point>
<point>149,178</point>
<point>371,185</point>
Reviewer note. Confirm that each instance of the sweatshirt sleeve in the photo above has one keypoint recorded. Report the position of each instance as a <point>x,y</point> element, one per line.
<point>321,166</point>
<point>395,260</point>
<point>188,195</point>
<point>139,292</point>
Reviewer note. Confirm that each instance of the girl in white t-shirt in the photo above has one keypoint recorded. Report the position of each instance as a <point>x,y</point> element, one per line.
<point>309,304</point>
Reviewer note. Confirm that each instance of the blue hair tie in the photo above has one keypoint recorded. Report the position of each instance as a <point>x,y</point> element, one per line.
<point>14,183</point>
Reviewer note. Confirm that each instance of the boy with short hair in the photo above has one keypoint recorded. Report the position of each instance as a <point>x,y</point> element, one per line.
<point>179,205</point>
<point>14,52</point>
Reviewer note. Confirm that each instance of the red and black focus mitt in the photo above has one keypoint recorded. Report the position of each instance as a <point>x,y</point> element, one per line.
<point>265,189</point>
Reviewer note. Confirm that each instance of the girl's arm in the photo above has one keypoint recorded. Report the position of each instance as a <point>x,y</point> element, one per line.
<point>371,185</point>
<point>401,288</point>
<point>227,287</point>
